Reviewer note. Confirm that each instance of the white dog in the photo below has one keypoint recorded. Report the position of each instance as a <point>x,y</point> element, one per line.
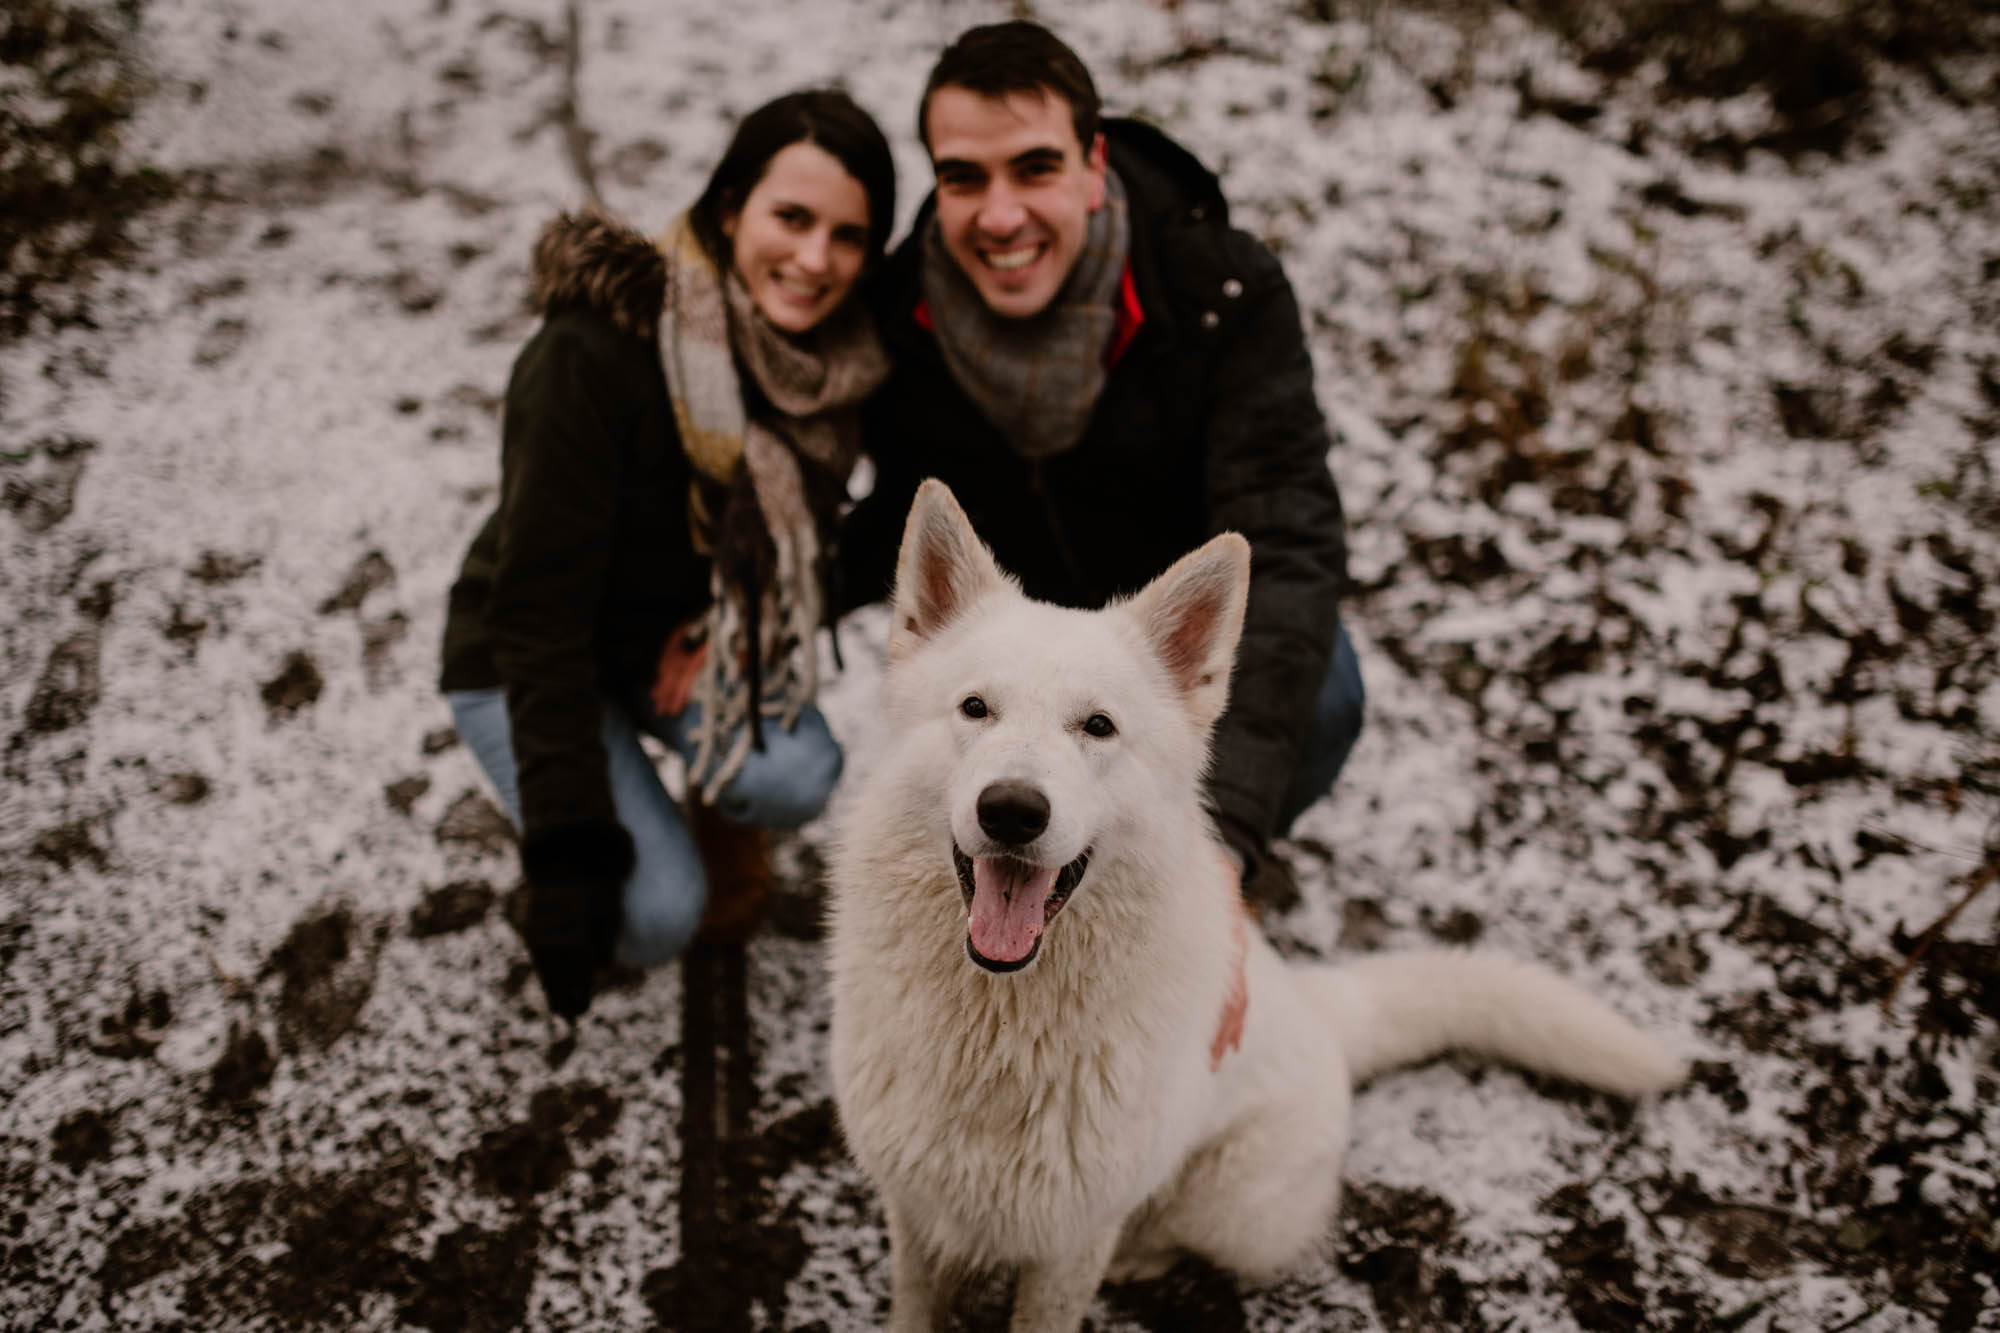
<point>1058,1048</point>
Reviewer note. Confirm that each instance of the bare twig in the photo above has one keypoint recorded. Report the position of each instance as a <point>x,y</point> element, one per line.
<point>1986,876</point>
<point>576,138</point>
<point>1888,834</point>
<point>1865,1315</point>
<point>235,987</point>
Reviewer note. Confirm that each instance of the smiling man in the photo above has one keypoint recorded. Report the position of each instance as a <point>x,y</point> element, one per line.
<point>1106,374</point>
<point>1015,192</point>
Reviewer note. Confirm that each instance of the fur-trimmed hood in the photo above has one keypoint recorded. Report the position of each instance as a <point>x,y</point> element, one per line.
<point>590,259</point>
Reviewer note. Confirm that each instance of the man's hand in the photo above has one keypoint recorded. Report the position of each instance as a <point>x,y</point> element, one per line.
<point>1232,869</point>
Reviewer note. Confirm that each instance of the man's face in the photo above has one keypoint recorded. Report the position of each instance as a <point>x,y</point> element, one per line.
<point>1015,191</point>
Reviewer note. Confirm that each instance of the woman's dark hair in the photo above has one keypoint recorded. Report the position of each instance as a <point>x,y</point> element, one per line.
<point>1018,57</point>
<point>822,116</point>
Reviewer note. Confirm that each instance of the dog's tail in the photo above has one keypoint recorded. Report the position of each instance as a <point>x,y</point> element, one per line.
<point>1397,1009</point>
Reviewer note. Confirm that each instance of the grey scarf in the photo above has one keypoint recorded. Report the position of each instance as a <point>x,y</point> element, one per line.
<point>1036,379</point>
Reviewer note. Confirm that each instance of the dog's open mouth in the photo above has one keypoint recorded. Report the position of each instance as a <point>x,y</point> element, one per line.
<point>1008,904</point>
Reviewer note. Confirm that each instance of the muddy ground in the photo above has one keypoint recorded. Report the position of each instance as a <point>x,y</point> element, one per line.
<point>1663,347</point>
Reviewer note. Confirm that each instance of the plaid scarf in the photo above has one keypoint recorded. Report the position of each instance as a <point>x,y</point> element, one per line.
<point>766,491</point>
<point>1035,379</point>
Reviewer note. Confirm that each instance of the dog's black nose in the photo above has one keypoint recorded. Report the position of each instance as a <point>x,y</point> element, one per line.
<point>1013,812</point>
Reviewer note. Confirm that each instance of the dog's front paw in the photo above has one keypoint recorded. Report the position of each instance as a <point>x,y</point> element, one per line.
<point>1140,1264</point>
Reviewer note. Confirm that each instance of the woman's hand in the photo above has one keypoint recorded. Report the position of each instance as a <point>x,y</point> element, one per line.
<point>572,930</point>
<point>576,903</point>
<point>680,663</point>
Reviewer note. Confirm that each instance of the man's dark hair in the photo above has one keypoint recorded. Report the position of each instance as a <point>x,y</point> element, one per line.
<point>1018,57</point>
<point>822,116</point>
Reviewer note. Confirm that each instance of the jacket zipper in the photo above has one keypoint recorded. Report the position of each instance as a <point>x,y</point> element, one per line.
<point>1056,533</point>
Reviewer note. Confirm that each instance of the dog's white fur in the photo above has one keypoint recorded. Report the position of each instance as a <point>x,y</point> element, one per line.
<point>1088,1115</point>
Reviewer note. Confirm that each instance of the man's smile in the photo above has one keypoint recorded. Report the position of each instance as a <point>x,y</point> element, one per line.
<point>1013,259</point>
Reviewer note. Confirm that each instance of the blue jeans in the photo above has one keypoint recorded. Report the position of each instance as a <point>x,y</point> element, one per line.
<point>781,786</point>
<point>1335,726</point>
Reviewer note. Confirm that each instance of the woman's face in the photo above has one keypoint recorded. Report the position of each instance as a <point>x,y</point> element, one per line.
<point>801,237</point>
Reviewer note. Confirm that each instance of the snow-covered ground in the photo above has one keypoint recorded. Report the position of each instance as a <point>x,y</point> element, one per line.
<point>1663,342</point>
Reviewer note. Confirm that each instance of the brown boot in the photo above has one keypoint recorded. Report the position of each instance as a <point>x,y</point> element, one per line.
<point>738,863</point>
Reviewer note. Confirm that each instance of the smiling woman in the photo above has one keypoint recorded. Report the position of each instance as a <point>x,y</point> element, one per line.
<point>676,441</point>
<point>801,237</point>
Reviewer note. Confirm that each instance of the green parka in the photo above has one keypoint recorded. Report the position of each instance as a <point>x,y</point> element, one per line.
<point>571,588</point>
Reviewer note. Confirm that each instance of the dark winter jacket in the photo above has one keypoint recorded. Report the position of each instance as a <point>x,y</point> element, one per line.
<point>572,587</point>
<point>1207,422</point>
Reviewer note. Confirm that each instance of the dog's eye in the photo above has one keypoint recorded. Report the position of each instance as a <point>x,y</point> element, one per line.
<point>972,706</point>
<point>1100,726</point>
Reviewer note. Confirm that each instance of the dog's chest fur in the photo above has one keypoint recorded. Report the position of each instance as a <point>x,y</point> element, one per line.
<point>1004,1113</point>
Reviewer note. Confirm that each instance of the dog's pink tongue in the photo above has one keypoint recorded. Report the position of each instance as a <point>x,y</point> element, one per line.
<point>1008,899</point>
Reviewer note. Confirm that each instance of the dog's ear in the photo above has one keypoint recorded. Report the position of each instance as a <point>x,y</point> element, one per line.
<point>1192,616</point>
<point>942,569</point>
